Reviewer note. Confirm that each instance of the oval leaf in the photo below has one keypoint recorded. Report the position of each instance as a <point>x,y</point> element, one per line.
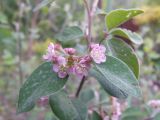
<point>67,109</point>
<point>42,82</point>
<point>86,95</point>
<point>95,116</point>
<point>132,36</point>
<point>124,52</point>
<point>134,113</point>
<point>70,33</point>
<point>116,78</point>
<point>81,109</point>
<point>118,17</point>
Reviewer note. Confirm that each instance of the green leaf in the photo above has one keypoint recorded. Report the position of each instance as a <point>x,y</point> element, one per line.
<point>118,17</point>
<point>66,109</point>
<point>86,95</point>
<point>62,106</point>
<point>157,117</point>
<point>124,52</point>
<point>81,109</point>
<point>3,18</point>
<point>157,64</point>
<point>95,116</point>
<point>42,4</point>
<point>42,82</point>
<point>70,33</point>
<point>134,113</point>
<point>132,36</point>
<point>5,32</point>
<point>116,78</point>
<point>50,116</point>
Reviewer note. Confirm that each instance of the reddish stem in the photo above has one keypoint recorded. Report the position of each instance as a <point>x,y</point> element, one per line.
<point>89,38</point>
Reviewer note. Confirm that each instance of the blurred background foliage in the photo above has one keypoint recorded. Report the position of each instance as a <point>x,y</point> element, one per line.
<point>27,27</point>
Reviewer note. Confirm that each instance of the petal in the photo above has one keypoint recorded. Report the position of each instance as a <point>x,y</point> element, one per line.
<point>93,45</point>
<point>47,57</point>
<point>103,59</point>
<point>62,74</point>
<point>70,51</point>
<point>50,47</point>
<point>102,48</point>
<point>61,60</point>
<point>97,61</point>
<point>70,70</point>
<point>56,68</point>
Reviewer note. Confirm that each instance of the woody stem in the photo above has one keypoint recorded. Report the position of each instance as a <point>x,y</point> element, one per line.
<point>89,38</point>
<point>80,86</point>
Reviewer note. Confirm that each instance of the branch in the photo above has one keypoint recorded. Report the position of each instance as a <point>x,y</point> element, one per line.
<point>80,86</point>
<point>94,7</point>
<point>90,14</point>
<point>89,35</point>
<point>19,51</point>
<point>89,21</point>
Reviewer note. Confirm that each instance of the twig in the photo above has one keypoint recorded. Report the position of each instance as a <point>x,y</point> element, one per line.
<point>17,27</point>
<point>94,7</point>
<point>89,38</point>
<point>80,86</point>
<point>90,14</point>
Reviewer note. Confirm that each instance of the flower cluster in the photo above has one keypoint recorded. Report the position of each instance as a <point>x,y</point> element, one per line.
<point>65,61</point>
<point>154,104</point>
<point>98,53</point>
<point>117,109</point>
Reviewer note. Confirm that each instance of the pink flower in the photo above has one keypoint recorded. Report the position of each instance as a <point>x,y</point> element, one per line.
<point>49,56</point>
<point>61,60</point>
<point>115,117</point>
<point>65,62</point>
<point>106,118</point>
<point>56,68</point>
<point>117,106</point>
<point>57,47</point>
<point>116,109</point>
<point>60,67</point>
<point>51,47</point>
<point>61,70</point>
<point>98,53</point>
<point>70,51</point>
<point>80,70</point>
<point>82,67</point>
<point>98,46</point>
<point>154,103</point>
<point>62,73</point>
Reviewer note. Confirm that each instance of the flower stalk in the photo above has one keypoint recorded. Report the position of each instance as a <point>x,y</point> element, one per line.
<point>80,86</point>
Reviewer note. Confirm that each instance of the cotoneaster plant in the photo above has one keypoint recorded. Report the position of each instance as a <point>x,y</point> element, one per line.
<point>111,62</point>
